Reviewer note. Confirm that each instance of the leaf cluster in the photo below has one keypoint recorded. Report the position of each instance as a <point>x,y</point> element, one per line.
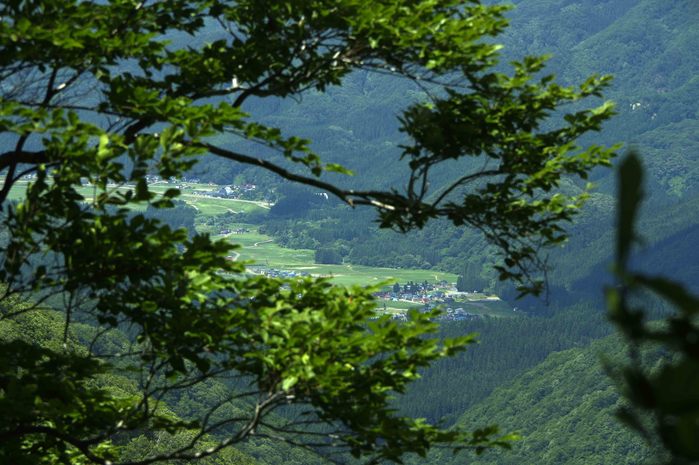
<point>663,402</point>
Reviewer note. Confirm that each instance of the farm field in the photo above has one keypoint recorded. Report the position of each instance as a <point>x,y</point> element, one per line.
<point>260,249</point>
<point>212,206</point>
<point>496,308</point>
<point>265,254</point>
<point>206,206</point>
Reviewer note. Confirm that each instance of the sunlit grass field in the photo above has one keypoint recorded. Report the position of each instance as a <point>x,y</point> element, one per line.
<point>206,206</point>
<point>261,250</point>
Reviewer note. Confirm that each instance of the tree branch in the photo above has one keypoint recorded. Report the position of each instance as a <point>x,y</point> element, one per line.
<point>82,446</point>
<point>344,195</point>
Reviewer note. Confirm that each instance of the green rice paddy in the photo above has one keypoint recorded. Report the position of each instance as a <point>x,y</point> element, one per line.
<point>262,251</point>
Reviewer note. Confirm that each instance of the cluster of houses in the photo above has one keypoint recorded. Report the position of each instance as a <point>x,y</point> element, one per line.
<point>420,293</point>
<point>230,192</point>
<point>457,314</point>
<point>154,179</point>
<point>427,296</point>
<point>448,314</point>
<point>425,293</point>
<point>225,192</point>
<point>411,297</point>
<point>274,273</point>
<point>234,231</point>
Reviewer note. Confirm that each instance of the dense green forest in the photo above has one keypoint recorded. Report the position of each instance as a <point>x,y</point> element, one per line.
<point>564,409</point>
<point>538,372</point>
<point>46,329</point>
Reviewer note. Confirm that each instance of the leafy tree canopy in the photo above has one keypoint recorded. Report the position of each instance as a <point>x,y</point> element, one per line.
<point>105,92</point>
<point>662,398</point>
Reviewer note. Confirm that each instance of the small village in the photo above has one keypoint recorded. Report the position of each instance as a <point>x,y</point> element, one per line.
<point>232,191</point>
<point>448,314</point>
<point>427,296</point>
<point>276,273</point>
<point>424,296</point>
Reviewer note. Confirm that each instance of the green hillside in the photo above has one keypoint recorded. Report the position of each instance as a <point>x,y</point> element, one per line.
<point>507,347</point>
<point>564,410</point>
<point>655,86</point>
<point>45,328</point>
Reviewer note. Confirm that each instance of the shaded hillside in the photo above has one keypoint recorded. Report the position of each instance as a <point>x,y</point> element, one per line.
<point>45,328</point>
<point>564,410</point>
<point>649,48</point>
<point>669,235</point>
<point>655,87</point>
<point>507,347</point>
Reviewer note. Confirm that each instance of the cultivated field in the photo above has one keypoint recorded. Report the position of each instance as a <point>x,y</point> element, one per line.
<point>262,251</point>
<point>205,205</point>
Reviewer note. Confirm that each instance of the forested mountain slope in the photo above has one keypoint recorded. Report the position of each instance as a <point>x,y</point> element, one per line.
<point>655,86</point>
<point>507,347</point>
<point>46,329</point>
<point>564,409</point>
<point>563,406</point>
<point>648,46</point>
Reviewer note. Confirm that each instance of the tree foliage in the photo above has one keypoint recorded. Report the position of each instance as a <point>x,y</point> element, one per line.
<point>564,410</point>
<point>105,92</point>
<point>663,404</point>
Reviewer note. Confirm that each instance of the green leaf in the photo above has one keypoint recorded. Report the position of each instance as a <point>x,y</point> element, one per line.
<point>630,193</point>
